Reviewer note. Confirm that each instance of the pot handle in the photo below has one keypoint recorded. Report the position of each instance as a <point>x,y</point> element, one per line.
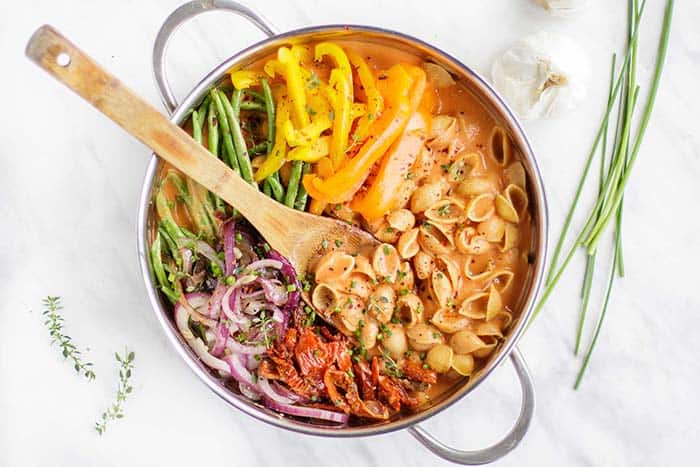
<point>183,14</point>
<point>504,446</point>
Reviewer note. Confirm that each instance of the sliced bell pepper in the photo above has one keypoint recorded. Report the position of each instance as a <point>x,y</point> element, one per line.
<point>375,101</point>
<point>243,79</point>
<point>337,53</point>
<point>345,182</point>
<point>382,194</point>
<point>318,150</point>
<point>295,86</point>
<point>342,105</point>
<point>277,156</point>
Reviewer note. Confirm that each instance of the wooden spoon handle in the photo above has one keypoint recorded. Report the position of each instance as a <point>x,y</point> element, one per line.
<point>68,64</point>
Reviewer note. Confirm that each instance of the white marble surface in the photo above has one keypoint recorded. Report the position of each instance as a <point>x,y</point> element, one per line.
<point>70,182</point>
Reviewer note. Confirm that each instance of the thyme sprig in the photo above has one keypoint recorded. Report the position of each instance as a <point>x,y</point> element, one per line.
<point>54,322</point>
<point>116,411</point>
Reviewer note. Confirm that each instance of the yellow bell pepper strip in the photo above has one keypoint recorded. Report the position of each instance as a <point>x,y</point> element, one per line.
<point>342,105</point>
<point>277,156</point>
<point>382,194</point>
<point>337,54</point>
<point>243,79</point>
<point>273,68</point>
<point>324,168</point>
<point>318,150</point>
<point>295,86</point>
<point>306,136</point>
<point>375,101</point>
<point>345,182</point>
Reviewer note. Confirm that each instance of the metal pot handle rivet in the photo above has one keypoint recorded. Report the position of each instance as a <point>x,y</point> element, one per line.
<point>183,14</point>
<point>504,446</point>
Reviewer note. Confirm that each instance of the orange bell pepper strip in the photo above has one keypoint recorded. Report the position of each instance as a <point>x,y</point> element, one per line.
<point>382,195</point>
<point>345,182</point>
<point>277,155</point>
<point>375,101</point>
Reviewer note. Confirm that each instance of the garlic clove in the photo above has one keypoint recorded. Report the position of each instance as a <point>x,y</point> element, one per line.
<point>542,75</point>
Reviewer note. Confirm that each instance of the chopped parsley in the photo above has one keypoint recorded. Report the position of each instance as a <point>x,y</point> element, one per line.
<point>338,243</point>
<point>314,82</point>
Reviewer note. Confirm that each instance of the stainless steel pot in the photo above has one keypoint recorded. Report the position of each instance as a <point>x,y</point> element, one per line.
<point>491,101</point>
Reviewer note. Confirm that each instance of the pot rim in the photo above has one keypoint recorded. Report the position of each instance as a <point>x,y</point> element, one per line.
<point>540,222</point>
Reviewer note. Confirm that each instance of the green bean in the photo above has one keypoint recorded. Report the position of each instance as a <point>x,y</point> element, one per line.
<point>266,188</point>
<point>276,187</point>
<point>177,181</point>
<point>170,243</point>
<point>225,129</point>
<point>212,130</point>
<point>302,195</point>
<point>166,216</point>
<point>246,170</point>
<point>197,122</point>
<point>256,94</point>
<point>159,272</point>
<point>259,149</point>
<point>248,105</point>
<point>236,100</point>
<point>293,187</point>
<point>270,108</point>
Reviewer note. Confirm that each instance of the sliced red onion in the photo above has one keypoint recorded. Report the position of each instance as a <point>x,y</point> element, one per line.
<point>197,299</point>
<point>287,393</point>
<point>249,392</point>
<point>238,371</point>
<point>253,295</point>
<point>269,393</point>
<point>184,304</point>
<point>202,351</point>
<point>293,297</point>
<point>310,412</point>
<point>251,362</point>
<point>187,262</point>
<point>242,349</point>
<point>214,306</point>
<point>202,248</point>
<point>264,263</point>
<point>231,304</point>
<point>277,294</point>
<point>229,243</point>
<point>222,336</point>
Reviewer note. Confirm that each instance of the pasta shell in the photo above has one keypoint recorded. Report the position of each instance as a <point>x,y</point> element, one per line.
<point>409,309</point>
<point>467,241</point>
<point>448,266</point>
<point>424,336</point>
<point>438,76</point>
<point>463,364</point>
<point>386,261</point>
<point>407,245</point>
<point>518,198</point>
<point>474,306</point>
<point>501,279</point>
<point>446,211</point>
<point>381,303</point>
<point>363,267</point>
<point>350,313</point>
<point>463,166</point>
<point>404,193</point>
<point>494,304</point>
<point>401,219</point>
<point>475,186</point>
<point>404,278</point>
<point>506,209</point>
<point>395,341</point>
<point>492,229</point>
<point>357,285</point>
<point>426,196</point>
<point>424,163</point>
<point>488,328</point>
<point>511,237</point>
<point>441,288</point>
<point>490,343</point>
<point>478,267</point>
<point>448,321</point>
<point>443,130</point>
<point>515,174</point>
<point>465,342</point>
<point>423,264</point>
<point>324,297</point>
<point>435,238</point>
<point>439,358</point>
<point>368,334</point>
<point>334,266</point>
<point>480,207</point>
<point>499,146</point>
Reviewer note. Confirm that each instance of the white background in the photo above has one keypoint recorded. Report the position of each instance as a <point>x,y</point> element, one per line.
<point>69,184</point>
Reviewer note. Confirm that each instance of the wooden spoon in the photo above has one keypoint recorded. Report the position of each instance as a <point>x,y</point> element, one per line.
<point>296,235</point>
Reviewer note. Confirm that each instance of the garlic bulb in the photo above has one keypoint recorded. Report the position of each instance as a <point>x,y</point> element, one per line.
<point>563,6</point>
<point>542,75</point>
